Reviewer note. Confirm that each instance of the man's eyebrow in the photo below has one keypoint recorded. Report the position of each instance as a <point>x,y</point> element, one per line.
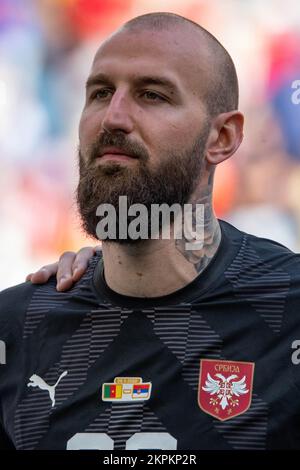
<point>99,79</point>
<point>102,79</point>
<point>156,80</point>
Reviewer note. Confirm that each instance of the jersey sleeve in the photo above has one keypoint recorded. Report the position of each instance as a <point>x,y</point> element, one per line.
<point>292,326</point>
<point>5,442</point>
<point>13,306</point>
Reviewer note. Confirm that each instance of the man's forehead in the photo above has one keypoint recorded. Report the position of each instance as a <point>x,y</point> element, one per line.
<point>173,49</point>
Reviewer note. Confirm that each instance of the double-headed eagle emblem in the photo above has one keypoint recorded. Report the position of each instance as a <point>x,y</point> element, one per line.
<point>225,389</point>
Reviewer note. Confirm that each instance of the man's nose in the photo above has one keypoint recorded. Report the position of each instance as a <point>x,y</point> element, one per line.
<point>118,114</point>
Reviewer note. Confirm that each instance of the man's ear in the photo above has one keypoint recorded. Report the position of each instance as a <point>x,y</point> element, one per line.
<point>225,136</point>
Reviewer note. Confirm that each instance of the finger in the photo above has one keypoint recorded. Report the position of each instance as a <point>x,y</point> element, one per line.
<point>64,272</point>
<point>81,262</point>
<point>42,275</point>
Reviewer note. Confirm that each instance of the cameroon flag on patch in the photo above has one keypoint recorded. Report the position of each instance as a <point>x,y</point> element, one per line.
<point>112,391</point>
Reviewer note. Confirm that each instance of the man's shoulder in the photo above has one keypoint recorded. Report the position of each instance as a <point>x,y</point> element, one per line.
<point>262,265</point>
<point>15,300</point>
<point>14,295</point>
<point>256,248</point>
<point>275,253</point>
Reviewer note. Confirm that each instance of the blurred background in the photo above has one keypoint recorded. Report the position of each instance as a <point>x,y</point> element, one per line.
<point>46,49</point>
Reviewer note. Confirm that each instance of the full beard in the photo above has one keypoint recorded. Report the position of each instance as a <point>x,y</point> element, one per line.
<point>172,182</point>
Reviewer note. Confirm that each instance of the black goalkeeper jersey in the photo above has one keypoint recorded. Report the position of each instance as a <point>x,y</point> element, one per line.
<point>212,366</point>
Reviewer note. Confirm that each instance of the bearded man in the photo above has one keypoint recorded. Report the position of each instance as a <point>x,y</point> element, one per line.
<point>163,343</point>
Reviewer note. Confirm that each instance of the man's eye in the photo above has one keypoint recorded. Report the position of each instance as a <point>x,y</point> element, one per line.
<point>152,96</point>
<point>100,94</point>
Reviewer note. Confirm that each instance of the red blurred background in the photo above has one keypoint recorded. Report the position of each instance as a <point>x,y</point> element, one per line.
<point>46,48</point>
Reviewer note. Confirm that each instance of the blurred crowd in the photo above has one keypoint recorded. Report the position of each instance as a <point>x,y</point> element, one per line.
<point>46,48</point>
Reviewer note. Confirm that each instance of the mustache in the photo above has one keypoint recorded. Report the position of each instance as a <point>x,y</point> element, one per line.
<point>119,140</point>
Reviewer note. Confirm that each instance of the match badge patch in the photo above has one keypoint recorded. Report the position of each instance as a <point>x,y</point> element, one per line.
<point>126,389</point>
<point>225,387</point>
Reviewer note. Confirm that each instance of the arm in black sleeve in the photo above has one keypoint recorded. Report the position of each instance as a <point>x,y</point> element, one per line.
<point>5,442</point>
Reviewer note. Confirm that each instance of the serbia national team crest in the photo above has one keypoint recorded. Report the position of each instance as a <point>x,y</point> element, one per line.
<point>225,387</point>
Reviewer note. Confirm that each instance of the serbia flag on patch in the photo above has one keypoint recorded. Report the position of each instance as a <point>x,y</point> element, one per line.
<point>140,390</point>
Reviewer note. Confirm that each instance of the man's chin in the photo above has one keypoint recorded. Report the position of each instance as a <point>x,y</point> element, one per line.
<point>124,242</point>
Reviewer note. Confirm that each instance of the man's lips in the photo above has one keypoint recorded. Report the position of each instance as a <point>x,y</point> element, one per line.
<point>115,156</point>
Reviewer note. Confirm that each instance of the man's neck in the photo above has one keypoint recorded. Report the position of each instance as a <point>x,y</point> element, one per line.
<point>155,268</point>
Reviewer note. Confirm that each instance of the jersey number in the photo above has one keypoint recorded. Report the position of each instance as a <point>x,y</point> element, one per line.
<point>139,440</point>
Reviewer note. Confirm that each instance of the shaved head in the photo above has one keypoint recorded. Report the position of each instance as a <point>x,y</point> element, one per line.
<point>163,93</point>
<point>219,89</point>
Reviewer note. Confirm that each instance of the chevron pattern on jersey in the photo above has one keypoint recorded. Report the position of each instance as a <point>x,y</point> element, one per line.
<point>247,431</point>
<point>96,332</point>
<point>46,298</point>
<point>259,283</point>
<point>133,418</point>
<point>188,336</point>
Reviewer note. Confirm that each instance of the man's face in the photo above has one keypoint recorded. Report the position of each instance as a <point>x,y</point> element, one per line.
<point>142,100</point>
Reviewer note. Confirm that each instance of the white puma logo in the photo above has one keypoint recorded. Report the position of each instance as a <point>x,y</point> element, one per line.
<point>37,381</point>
